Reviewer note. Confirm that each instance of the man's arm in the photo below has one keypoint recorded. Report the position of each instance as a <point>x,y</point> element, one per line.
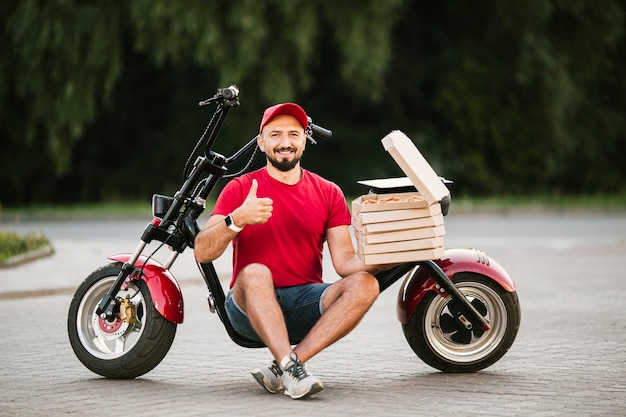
<point>344,257</point>
<point>214,238</point>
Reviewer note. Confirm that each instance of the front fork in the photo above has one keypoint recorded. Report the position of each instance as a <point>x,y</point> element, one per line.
<point>165,291</point>
<point>109,306</point>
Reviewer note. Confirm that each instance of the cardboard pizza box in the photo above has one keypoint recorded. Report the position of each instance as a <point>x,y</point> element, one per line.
<point>383,202</point>
<point>397,226</point>
<point>415,166</point>
<point>399,257</point>
<point>395,215</point>
<point>399,235</point>
<point>403,227</point>
<point>407,245</point>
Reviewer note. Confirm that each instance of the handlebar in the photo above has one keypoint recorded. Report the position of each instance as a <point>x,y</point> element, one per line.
<point>227,98</point>
<point>230,97</point>
<point>317,132</point>
<point>201,177</point>
<point>312,132</point>
<point>229,94</point>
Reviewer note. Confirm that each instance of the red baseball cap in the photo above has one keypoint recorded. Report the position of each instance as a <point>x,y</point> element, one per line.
<point>290,109</point>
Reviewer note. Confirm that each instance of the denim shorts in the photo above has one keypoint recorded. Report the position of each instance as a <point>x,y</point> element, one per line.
<point>301,306</point>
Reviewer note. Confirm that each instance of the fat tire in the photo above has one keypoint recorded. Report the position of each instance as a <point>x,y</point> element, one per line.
<point>155,339</point>
<point>456,359</point>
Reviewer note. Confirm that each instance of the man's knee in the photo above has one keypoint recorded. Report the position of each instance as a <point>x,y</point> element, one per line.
<point>362,285</point>
<point>254,274</point>
<point>368,284</point>
<point>253,279</point>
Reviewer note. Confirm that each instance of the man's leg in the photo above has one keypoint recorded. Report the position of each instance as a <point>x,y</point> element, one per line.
<point>254,293</point>
<point>345,303</point>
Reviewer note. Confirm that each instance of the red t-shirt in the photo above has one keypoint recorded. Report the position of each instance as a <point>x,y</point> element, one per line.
<point>291,242</point>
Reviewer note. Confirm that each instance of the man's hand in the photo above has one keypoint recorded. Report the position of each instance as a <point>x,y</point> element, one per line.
<point>254,210</point>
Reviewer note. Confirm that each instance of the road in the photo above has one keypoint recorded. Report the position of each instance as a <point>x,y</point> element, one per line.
<point>569,358</point>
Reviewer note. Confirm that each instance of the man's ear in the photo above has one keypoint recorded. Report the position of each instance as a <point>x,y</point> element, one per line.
<point>259,142</point>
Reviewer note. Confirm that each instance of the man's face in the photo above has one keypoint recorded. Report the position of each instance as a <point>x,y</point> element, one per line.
<point>283,141</point>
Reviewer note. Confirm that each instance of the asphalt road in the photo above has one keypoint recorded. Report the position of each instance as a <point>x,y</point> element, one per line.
<point>569,358</point>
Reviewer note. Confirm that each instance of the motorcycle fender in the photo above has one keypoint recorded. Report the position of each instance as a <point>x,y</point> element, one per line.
<point>166,293</point>
<point>417,285</point>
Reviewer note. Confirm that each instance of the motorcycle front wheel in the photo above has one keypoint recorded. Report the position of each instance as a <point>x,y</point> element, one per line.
<point>440,339</point>
<point>121,349</point>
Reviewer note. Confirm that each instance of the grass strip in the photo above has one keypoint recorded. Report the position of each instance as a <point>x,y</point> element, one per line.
<point>13,244</point>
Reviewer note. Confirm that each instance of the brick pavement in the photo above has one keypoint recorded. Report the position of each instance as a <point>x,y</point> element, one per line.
<point>568,360</point>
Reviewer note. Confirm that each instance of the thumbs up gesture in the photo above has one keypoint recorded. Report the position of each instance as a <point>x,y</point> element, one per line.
<point>254,210</point>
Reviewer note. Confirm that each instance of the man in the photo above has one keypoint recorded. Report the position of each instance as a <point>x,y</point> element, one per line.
<point>278,219</point>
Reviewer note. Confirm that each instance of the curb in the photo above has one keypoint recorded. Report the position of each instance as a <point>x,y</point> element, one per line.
<point>27,257</point>
<point>35,293</point>
<point>9,295</point>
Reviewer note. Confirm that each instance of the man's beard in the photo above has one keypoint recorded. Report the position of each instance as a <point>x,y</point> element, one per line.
<point>283,165</point>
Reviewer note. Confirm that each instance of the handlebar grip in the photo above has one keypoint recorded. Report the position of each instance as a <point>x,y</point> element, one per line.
<point>229,92</point>
<point>319,132</point>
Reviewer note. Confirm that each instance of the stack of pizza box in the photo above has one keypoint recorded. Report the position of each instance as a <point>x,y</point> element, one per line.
<point>402,227</point>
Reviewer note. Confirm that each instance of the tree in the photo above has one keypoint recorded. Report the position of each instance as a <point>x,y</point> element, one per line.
<point>65,59</point>
<point>517,98</point>
<point>502,97</point>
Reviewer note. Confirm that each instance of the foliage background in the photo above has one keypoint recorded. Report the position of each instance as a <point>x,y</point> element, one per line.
<point>98,99</point>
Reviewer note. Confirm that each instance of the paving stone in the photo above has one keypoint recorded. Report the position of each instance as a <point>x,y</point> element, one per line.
<point>568,359</point>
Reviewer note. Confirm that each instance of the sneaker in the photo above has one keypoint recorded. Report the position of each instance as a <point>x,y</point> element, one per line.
<point>299,383</point>
<point>269,378</point>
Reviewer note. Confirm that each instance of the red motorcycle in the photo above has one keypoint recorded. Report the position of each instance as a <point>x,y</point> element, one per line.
<point>459,313</point>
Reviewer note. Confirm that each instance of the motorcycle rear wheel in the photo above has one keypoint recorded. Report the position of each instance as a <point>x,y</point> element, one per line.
<point>117,349</point>
<point>441,341</point>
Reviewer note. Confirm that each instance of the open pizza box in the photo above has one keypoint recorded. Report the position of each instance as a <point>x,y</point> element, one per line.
<point>393,227</point>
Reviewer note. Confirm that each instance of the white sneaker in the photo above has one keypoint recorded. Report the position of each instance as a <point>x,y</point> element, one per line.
<point>299,383</point>
<point>269,378</point>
